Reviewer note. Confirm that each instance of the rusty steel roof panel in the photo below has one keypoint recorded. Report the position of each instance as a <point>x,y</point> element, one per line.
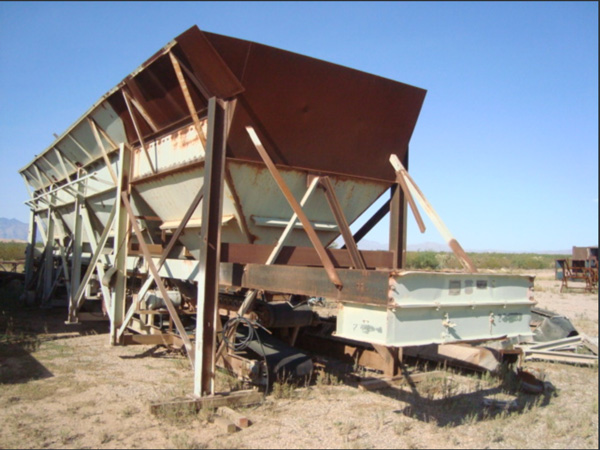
<point>319,115</point>
<point>312,115</point>
<point>195,48</point>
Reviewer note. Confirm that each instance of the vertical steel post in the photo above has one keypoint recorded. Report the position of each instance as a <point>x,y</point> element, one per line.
<point>49,256</point>
<point>117,304</point>
<point>62,248</point>
<point>210,249</point>
<point>30,251</point>
<point>77,242</point>
<point>398,223</point>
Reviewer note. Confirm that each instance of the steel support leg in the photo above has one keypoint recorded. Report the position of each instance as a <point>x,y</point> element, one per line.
<point>77,243</point>
<point>29,253</point>
<point>49,257</point>
<point>78,298</point>
<point>63,249</point>
<point>117,304</point>
<point>210,249</point>
<point>398,223</point>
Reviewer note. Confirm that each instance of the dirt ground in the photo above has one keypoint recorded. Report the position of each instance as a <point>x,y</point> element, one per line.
<point>67,387</point>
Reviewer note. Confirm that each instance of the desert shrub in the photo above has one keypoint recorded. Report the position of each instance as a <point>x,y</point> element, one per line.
<point>523,261</point>
<point>531,261</point>
<point>429,260</point>
<point>493,261</point>
<point>10,251</point>
<point>422,260</point>
<point>447,260</point>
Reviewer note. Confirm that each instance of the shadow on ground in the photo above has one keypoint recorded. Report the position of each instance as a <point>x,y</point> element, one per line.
<point>17,365</point>
<point>479,405</point>
<point>24,329</point>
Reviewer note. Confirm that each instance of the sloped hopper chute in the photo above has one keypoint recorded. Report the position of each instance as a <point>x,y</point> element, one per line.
<point>316,118</point>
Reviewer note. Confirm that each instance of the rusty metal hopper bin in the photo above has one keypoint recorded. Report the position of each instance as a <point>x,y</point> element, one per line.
<point>190,175</point>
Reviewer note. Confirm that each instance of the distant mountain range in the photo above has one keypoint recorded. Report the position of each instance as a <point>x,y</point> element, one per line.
<point>13,229</point>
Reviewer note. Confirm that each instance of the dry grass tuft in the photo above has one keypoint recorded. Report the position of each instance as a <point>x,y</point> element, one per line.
<point>185,441</point>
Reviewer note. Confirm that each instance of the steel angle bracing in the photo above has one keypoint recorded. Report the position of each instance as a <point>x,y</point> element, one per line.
<point>340,219</point>
<point>78,298</point>
<point>128,102</point>
<point>173,240</point>
<point>410,188</point>
<point>325,259</point>
<point>155,275</point>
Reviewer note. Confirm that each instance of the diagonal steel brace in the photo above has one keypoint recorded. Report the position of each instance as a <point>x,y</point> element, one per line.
<point>312,235</point>
<point>158,280</point>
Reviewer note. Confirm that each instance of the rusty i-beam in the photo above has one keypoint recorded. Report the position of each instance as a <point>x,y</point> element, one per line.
<point>210,249</point>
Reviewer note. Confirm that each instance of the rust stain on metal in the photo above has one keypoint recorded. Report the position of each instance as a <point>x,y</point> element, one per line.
<point>184,138</point>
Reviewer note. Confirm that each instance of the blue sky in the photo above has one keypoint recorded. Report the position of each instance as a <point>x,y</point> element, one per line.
<point>505,149</point>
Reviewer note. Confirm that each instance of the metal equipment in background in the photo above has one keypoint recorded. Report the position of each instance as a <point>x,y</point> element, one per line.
<point>581,270</point>
<point>195,203</point>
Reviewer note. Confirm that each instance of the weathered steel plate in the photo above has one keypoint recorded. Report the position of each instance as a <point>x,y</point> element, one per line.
<point>426,308</point>
<point>318,115</point>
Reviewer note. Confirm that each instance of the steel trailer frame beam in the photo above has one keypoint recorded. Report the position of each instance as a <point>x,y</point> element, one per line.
<point>300,256</point>
<point>369,287</point>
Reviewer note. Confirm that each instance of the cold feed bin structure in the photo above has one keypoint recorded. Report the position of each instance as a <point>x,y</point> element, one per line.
<point>208,185</point>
